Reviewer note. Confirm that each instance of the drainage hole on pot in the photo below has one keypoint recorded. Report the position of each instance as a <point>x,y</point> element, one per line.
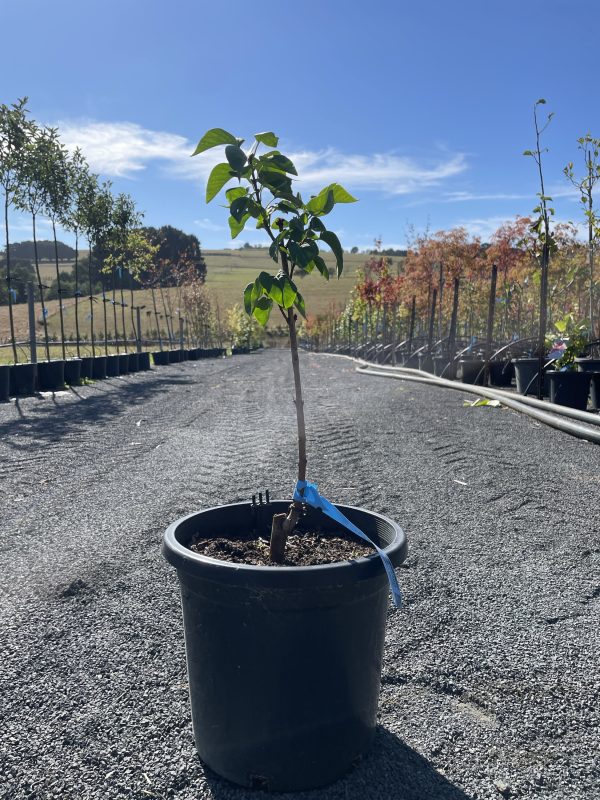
<point>259,782</point>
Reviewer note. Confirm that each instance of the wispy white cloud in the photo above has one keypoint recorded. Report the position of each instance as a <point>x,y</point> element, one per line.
<point>119,149</point>
<point>123,149</point>
<point>484,227</point>
<point>458,197</point>
<point>206,224</point>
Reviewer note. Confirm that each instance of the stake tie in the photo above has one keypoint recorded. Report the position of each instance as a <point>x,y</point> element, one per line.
<point>306,492</point>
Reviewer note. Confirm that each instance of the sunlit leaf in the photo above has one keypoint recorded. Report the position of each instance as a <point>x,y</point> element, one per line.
<point>268,138</point>
<point>217,179</point>
<point>213,138</point>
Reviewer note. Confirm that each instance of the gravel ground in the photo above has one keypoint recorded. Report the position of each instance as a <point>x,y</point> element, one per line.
<point>491,682</point>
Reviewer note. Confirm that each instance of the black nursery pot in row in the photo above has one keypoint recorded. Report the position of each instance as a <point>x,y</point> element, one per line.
<point>570,388</point>
<point>4,383</point>
<point>161,357</point>
<point>50,376</point>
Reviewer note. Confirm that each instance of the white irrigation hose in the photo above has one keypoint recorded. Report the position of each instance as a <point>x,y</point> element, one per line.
<point>544,405</point>
<point>554,419</point>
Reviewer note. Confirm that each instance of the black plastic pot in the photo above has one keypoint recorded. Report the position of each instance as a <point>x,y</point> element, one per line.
<point>284,663</point>
<point>526,370</point>
<point>174,356</point>
<point>501,373</point>
<point>4,382</point>
<point>595,391</point>
<point>144,360</point>
<point>101,366</point>
<point>444,368</point>
<point>23,379</point>
<point>134,362</point>
<point>161,357</point>
<point>588,364</point>
<point>426,363</point>
<point>411,361</point>
<point>569,388</point>
<point>471,370</point>
<point>73,371</point>
<point>123,363</point>
<point>50,375</point>
<point>87,368</point>
<point>113,366</point>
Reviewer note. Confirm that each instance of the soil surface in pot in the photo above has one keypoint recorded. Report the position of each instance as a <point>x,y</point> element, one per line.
<point>303,549</point>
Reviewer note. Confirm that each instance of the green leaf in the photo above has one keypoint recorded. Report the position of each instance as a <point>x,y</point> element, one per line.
<point>277,182</point>
<point>299,304</point>
<point>322,203</point>
<point>299,255</point>
<point>248,298</point>
<point>527,152</point>
<point>280,161</point>
<point>326,199</point>
<point>237,226</point>
<point>235,192</point>
<point>322,267</point>
<point>216,180</point>
<point>289,292</point>
<point>286,207</point>
<point>265,280</point>
<point>274,251</point>
<point>262,309</point>
<point>268,138</point>
<point>332,240</point>
<point>317,225</point>
<point>236,157</point>
<point>238,208</point>
<point>213,138</point>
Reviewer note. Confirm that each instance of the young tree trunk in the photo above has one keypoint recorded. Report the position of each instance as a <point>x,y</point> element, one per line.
<point>104,316</point>
<point>77,293</point>
<point>91,299</point>
<point>8,283</point>
<point>156,319</point>
<point>114,305</point>
<point>41,288</point>
<point>59,290</point>
<point>123,312</point>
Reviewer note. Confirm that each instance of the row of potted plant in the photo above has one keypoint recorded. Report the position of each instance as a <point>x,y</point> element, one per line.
<point>51,376</point>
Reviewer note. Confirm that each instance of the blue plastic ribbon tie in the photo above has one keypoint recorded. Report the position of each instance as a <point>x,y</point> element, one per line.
<point>306,492</point>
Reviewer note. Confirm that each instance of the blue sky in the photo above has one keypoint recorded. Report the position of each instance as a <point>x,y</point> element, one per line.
<point>422,110</point>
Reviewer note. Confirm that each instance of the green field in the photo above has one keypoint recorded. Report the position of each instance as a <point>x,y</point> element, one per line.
<point>230,271</point>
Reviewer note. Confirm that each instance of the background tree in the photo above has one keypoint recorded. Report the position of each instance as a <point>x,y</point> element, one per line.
<point>96,209</point>
<point>56,186</point>
<point>590,148</point>
<point>31,197</point>
<point>13,139</point>
<point>73,219</point>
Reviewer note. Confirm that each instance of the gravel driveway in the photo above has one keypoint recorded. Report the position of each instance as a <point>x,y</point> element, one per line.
<point>491,684</point>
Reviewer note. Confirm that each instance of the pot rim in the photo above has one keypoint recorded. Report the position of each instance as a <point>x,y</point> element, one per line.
<point>186,560</point>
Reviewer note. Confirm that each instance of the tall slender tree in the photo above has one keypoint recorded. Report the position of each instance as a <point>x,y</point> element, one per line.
<point>73,220</point>
<point>57,187</point>
<point>31,198</point>
<point>96,209</point>
<point>590,149</point>
<point>13,139</point>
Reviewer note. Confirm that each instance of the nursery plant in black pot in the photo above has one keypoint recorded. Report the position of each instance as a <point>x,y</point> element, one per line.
<point>569,387</point>
<point>284,650</point>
